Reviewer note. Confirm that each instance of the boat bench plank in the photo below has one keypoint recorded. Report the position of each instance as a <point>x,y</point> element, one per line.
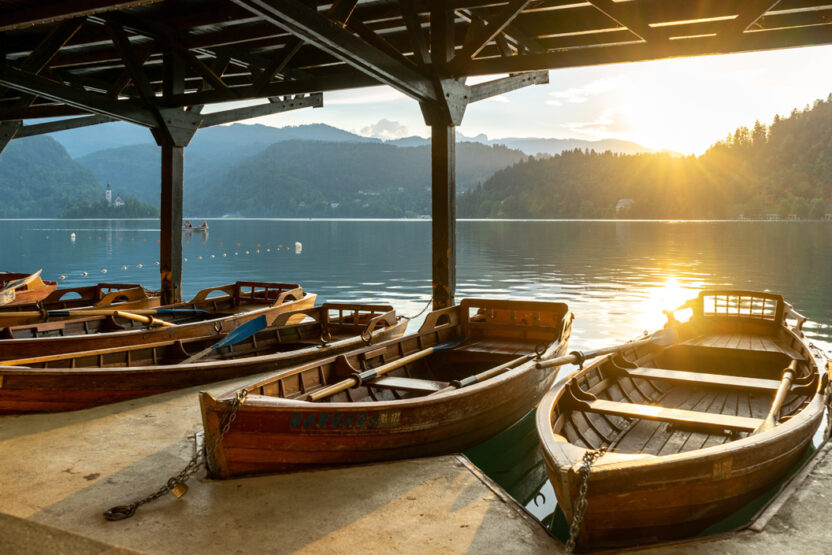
<point>675,416</point>
<point>412,385</point>
<point>702,379</point>
<point>743,342</point>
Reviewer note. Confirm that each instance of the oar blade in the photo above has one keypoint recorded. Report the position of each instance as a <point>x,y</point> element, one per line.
<point>242,332</point>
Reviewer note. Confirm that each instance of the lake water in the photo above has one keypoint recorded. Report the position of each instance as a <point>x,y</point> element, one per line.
<point>617,276</point>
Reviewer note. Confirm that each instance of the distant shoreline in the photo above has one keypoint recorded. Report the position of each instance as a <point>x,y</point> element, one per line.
<point>607,220</point>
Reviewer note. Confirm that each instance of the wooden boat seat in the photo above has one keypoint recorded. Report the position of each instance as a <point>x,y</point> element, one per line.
<point>411,385</point>
<point>702,379</point>
<point>675,416</point>
<point>744,342</point>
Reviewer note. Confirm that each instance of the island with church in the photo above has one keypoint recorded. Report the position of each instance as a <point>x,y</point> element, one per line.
<point>111,206</point>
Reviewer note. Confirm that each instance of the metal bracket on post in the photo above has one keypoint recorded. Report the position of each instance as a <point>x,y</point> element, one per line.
<point>455,98</point>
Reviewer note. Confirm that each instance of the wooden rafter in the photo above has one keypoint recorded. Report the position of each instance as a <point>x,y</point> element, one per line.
<point>626,18</point>
<point>40,12</point>
<point>484,34</point>
<point>237,114</point>
<point>343,45</point>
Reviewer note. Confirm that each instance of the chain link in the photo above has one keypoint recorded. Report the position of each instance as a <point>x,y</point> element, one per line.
<point>590,456</point>
<point>430,301</point>
<point>120,512</point>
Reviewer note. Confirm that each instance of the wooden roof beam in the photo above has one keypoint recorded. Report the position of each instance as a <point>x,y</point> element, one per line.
<point>40,13</point>
<point>87,101</point>
<point>635,52</point>
<point>61,125</point>
<point>414,32</point>
<point>637,25</point>
<point>227,116</point>
<point>481,36</point>
<point>335,82</point>
<point>48,48</point>
<point>132,62</point>
<point>343,45</point>
<point>496,87</point>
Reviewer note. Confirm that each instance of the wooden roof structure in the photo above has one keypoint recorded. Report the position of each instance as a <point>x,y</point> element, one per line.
<point>158,63</point>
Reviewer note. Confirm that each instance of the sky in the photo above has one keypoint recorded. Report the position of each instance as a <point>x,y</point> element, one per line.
<point>683,104</point>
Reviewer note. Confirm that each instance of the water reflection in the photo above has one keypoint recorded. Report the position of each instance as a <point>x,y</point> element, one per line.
<point>616,276</point>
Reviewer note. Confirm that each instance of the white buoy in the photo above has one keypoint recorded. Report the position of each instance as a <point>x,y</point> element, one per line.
<point>72,237</point>
<point>104,271</point>
<point>84,274</point>
<point>298,247</point>
<point>139,266</point>
<point>61,277</point>
<point>124,267</point>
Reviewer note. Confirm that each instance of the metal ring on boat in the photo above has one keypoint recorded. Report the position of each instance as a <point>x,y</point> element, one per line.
<point>366,336</point>
<point>581,358</point>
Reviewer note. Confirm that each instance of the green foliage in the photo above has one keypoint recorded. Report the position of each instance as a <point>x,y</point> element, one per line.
<point>132,208</point>
<point>320,179</point>
<point>784,168</point>
<point>38,179</point>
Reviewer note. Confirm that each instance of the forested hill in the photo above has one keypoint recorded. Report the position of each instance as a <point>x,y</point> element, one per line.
<point>38,179</point>
<point>319,179</point>
<point>785,168</point>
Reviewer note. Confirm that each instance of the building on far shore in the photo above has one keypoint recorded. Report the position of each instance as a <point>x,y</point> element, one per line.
<point>623,206</point>
<point>108,195</point>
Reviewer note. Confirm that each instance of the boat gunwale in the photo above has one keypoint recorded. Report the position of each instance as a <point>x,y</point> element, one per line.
<point>562,455</point>
<point>177,367</point>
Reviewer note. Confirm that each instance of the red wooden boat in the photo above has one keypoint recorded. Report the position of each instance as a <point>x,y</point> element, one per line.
<point>204,315</point>
<point>80,380</point>
<point>695,422</point>
<point>468,373</point>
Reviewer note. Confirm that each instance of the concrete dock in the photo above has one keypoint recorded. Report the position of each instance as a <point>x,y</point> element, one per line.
<point>59,472</point>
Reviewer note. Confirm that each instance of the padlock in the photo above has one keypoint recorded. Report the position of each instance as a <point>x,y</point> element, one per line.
<point>177,488</point>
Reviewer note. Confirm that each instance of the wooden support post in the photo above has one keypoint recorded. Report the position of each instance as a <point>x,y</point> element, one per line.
<point>443,192</point>
<point>170,243</point>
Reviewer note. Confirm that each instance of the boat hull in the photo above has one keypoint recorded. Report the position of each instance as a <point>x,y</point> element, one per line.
<point>268,439</point>
<point>54,389</point>
<point>283,425</point>
<point>696,421</point>
<point>52,340</point>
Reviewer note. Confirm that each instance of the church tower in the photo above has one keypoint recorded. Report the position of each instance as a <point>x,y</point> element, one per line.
<point>108,194</point>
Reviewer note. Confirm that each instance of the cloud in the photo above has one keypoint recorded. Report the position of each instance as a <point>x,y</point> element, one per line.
<point>581,94</point>
<point>385,129</point>
<point>363,96</point>
<point>501,98</point>
<point>605,125</point>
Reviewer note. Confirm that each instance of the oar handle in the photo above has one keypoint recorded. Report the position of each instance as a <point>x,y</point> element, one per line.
<point>149,320</point>
<point>785,384</point>
<point>361,377</point>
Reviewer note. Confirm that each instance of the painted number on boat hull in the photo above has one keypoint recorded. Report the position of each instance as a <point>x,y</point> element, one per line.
<point>344,420</point>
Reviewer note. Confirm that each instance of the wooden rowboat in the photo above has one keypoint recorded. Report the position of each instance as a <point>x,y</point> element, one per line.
<point>687,420</point>
<point>468,373</point>
<point>18,289</point>
<point>202,316</point>
<point>81,380</point>
<point>117,295</point>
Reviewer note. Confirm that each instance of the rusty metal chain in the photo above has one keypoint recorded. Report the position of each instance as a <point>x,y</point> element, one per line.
<point>590,457</point>
<point>430,301</point>
<point>176,484</point>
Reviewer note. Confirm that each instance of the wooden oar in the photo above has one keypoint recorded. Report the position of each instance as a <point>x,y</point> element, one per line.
<point>7,294</point>
<point>373,373</point>
<point>97,312</point>
<point>485,375</point>
<point>773,413</point>
<point>578,357</point>
<point>240,333</point>
<point>149,320</point>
